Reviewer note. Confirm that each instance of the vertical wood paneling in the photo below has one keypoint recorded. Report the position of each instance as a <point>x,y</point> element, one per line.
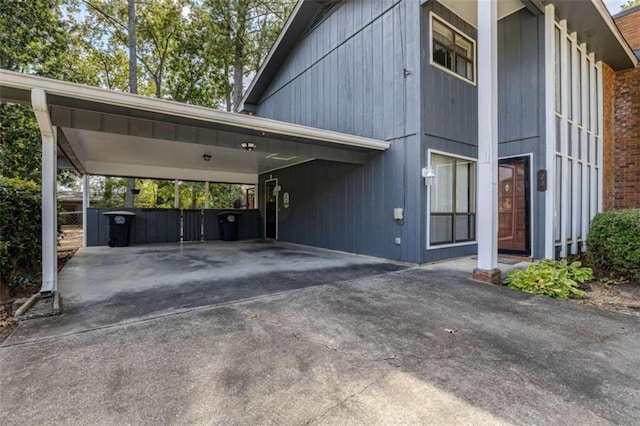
<point>149,226</point>
<point>352,80</point>
<point>449,104</point>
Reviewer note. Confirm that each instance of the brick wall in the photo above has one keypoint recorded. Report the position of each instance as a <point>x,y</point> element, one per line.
<point>608,178</point>
<point>629,24</point>
<point>626,140</point>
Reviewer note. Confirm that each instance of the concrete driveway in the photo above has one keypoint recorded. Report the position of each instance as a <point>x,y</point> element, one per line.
<point>412,346</point>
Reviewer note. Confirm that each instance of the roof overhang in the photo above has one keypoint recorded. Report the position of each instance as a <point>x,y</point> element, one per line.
<point>113,133</point>
<point>594,26</point>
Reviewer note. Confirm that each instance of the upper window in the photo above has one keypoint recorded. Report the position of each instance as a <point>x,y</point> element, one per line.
<point>452,50</point>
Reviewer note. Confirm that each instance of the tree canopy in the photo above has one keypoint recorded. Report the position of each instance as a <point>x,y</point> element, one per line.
<point>194,51</point>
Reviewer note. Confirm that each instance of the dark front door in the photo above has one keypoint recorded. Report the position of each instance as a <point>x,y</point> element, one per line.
<point>513,206</point>
<point>271,210</point>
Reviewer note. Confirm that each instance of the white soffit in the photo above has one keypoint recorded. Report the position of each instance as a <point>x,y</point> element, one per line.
<point>468,9</point>
<point>123,155</point>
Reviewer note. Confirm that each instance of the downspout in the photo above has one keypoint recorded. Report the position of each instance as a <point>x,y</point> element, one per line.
<point>49,186</point>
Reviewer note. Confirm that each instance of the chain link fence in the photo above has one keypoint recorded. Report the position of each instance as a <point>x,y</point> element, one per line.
<point>71,223</point>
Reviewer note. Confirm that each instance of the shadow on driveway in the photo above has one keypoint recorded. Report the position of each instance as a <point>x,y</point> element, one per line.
<point>103,286</point>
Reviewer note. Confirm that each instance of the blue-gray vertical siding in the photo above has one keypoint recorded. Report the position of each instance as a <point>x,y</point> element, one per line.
<point>521,103</point>
<point>449,113</point>
<point>358,72</point>
<point>449,104</point>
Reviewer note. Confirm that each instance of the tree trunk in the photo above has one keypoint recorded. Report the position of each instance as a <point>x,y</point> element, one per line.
<point>242,13</point>
<point>133,58</point>
<point>238,73</point>
<point>133,83</point>
<point>4,290</point>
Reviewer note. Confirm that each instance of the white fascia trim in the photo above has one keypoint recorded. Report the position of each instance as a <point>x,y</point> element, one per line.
<point>160,172</point>
<point>608,19</point>
<point>275,47</point>
<point>172,108</point>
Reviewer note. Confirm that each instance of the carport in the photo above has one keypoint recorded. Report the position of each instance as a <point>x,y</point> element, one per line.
<point>105,132</point>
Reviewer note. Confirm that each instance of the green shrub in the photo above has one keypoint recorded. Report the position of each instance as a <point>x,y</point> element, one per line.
<point>20,231</point>
<point>554,278</point>
<point>613,244</point>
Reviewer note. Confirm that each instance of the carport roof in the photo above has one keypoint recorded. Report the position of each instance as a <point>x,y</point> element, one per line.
<point>113,133</point>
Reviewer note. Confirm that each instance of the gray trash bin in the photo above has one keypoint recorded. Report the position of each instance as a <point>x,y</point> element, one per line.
<point>229,225</point>
<point>119,227</point>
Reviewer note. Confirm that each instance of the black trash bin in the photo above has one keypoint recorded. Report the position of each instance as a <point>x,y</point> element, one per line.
<point>229,225</point>
<point>119,227</point>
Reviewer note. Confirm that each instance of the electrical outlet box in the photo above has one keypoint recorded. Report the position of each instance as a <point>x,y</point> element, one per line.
<point>398,213</point>
<point>398,240</point>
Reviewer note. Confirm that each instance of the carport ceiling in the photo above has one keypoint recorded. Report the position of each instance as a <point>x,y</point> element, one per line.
<point>112,133</point>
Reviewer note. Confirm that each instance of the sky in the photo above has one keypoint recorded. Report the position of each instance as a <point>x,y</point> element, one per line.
<point>614,5</point>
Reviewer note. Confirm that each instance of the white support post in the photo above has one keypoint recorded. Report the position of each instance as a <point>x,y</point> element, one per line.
<point>85,206</point>
<point>176,194</point>
<point>577,164</point>
<point>600,120</point>
<point>487,214</point>
<point>49,188</point>
<point>586,193</point>
<point>206,195</point>
<point>550,129</point>
<point>564,140</point>
<point>592,146</point>
<point>550,133</point>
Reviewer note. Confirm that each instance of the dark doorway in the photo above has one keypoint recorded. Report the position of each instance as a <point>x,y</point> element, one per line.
<point>271,209</point>
<point>514,206</point>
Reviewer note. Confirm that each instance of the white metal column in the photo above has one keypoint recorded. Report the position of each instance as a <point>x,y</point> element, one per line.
<point>49,186</point>
<point>487,214</point>
<point>565,183</point>
<point>600,119</point>
<point>85,206</point>
<point>550,129</point>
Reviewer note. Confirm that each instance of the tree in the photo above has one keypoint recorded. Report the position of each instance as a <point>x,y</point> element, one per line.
<point>35,39</point>
<point>629,4</point>
<point>221,43</point>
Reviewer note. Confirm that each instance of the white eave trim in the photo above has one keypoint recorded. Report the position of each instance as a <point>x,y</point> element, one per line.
<point>172,108</point>
<point>608,19</point>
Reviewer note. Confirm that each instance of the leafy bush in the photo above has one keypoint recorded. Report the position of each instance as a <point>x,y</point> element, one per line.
<point>613,244</point>
<point>554,278</point>
<point>20,231</point>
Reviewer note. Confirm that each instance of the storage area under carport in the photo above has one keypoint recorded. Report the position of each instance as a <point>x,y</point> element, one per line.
<point>108,133</point>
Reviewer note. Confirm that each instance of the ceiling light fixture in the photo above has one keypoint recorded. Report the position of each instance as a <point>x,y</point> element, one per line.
<point>249,146</point>
<point>206,157</point>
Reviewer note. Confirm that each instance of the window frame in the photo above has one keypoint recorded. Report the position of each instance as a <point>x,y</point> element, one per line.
<point>457,33</point>
<point>437,246</point>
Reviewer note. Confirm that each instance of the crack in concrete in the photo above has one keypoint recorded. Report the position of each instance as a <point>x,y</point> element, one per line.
<point>345,400</point>
<point>353,354</point>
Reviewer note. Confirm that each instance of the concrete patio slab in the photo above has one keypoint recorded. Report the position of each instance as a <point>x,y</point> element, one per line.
<point>374,350</point>
<point>102,286</point>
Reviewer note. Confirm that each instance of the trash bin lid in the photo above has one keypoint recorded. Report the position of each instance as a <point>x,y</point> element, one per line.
<point>229,213</point>
<point>119,213</point>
